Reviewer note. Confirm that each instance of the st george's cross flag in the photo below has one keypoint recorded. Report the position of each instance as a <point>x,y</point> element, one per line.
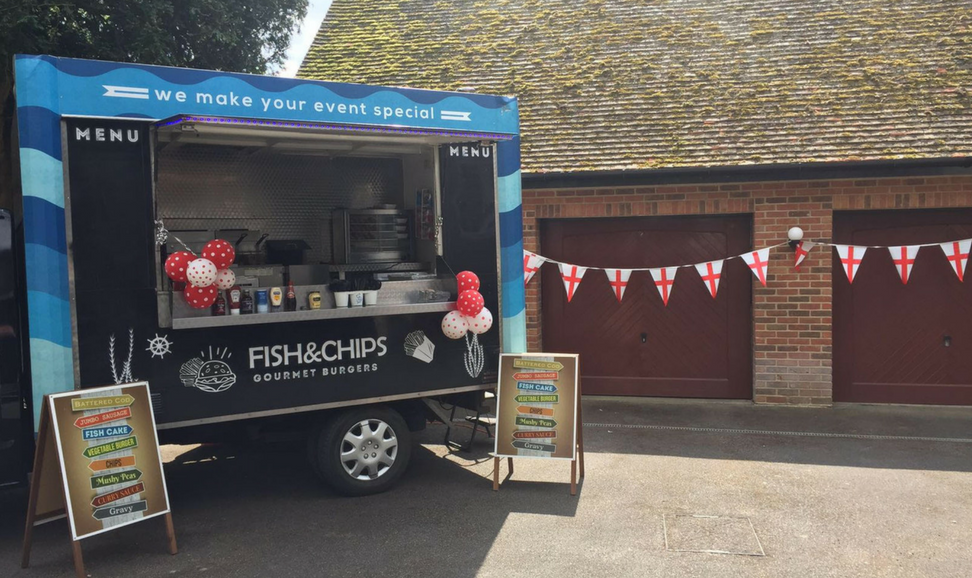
<point>803,249</point>
<point>663,278</point>
<point>531,264</point>
<point>758,261</point>
<point>711,272</point>
<point>618,278</point>
<point>572,275</point>
<point>957,253</point>
<point>904,260</point>
<point>850,259</point>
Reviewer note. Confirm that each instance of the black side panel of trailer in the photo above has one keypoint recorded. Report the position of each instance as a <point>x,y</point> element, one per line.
<point>14,422</point>
<point>112,244</point>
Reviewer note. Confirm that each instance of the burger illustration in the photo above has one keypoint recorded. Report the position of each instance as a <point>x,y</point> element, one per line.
<point>212,376</point>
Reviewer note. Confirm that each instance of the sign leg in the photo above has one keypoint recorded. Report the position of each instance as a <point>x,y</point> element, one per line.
<point>573,477</point>
<point>509,462</point>
<point>78,559</point>
<point>35,480</point>
<point>580,428</point>
<point>496,464</point>
<point>170,534</point>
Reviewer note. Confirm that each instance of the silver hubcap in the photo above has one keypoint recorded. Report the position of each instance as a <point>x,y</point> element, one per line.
<point>369,449</point>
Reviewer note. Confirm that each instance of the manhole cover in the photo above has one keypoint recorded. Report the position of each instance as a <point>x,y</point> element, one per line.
<point>711,535</point>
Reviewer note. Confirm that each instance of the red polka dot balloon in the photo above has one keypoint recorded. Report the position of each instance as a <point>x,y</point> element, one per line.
<point>201,272</point>
<point>454,325</point>
<point>176,265</point>
<point>470,303</point>
<point>220,252</point>
<point>481,323</point>
<point>468,281</point>
<point>200,297</point>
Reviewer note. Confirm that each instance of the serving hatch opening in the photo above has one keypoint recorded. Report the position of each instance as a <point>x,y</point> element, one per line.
<point>357,200</point>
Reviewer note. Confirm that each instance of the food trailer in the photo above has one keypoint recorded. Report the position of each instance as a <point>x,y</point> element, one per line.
<point>359,203</point>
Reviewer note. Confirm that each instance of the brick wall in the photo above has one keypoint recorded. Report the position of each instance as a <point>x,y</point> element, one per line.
<point>792,337</point>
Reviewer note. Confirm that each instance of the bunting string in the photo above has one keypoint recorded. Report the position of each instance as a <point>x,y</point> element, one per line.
<point>850,256</point>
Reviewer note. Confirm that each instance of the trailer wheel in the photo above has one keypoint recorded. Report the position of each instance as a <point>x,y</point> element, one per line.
<point>362,451</point>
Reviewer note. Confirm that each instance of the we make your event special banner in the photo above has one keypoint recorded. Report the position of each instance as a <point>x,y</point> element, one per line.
<point>536,406</point>
<point>110,462</point>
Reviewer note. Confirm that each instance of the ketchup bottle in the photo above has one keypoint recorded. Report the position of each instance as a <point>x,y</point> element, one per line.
<point>290,302</point>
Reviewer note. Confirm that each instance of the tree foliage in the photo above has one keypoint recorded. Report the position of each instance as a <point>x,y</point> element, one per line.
<point>242,36</point>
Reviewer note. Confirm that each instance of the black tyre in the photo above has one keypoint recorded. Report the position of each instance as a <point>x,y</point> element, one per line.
<point>361,451</point>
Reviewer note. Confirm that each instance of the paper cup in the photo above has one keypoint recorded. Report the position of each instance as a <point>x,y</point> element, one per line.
<point>357,299</point>
<point>341,298</point>
<point>371,298</point>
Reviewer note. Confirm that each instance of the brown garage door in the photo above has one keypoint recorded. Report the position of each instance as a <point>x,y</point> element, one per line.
<point>896,343</point>
<point>695,347</point>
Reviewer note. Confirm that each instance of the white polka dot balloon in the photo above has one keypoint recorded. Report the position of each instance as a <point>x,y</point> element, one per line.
<point>225,279</point>
<point>454,325</point>
<point>480,323</point>
<point>201,273</point>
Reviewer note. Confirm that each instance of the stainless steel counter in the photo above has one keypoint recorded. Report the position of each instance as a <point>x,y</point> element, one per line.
<point>311,315</point>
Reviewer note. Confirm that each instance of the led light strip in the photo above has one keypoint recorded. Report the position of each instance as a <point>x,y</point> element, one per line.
<point>333,127</point>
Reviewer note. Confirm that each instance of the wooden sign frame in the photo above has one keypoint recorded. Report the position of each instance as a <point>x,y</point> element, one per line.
<point>578,437</point>
<point>50,497</point>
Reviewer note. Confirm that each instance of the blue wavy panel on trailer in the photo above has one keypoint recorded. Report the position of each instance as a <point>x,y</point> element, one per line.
<point>48,271</point>
<point>44,224</point>
<point>508,158</point>
<point>114,89</point>
<point>52,371</point>
<point>45,176</point>
<point>514,333</point>
<point>43,132</point>
<point>50,318</point>
<point>508,192</point>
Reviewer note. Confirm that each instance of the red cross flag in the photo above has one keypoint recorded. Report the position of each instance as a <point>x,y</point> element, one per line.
<point>711,272</point>
<point>850,257</point>
<point>957,253</point>
<point>758,261</point>
<point>618,278</point>
<point>904,260</point>
<point>572,275</point>
<point>803,249</point>
<point>664,277</point>
<point>531,264</point>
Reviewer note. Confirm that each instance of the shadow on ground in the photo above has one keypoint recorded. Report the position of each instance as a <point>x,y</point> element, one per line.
<point>260,511</point>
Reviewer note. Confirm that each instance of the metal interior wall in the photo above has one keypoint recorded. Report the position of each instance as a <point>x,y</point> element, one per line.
<point>286,195</point>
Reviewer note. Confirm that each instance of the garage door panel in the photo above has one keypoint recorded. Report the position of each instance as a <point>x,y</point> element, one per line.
<point>695,347</point>
<point>889,338</point>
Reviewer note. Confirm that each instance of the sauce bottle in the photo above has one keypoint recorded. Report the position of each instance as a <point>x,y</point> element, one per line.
<point>233,296</point>
<point>219,307</point>
<point>290,302</point>
<point>276,299</point>
<point>246,303</point>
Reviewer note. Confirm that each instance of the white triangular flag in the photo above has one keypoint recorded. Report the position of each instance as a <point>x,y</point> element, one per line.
<point>618,279</point>
<point>758,261</point>
<point>904,260</point>
<point>711,272</point>
<point>531,264</point>
<point>572,275</point>
<point>801,251</point>
<point>850,259</point>
<point>663,278</point>
<point>957,253</point>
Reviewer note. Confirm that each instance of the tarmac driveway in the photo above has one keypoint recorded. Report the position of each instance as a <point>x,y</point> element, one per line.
<point>871,491</point>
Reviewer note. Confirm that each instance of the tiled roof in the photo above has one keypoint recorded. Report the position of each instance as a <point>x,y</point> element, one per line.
<point>641,84</point>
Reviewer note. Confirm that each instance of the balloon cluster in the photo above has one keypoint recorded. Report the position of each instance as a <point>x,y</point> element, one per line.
<point>205,275</point>
<point>470,314</point>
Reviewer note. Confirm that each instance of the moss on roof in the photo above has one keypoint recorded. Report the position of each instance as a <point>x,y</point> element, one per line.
<point>636,84</point>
